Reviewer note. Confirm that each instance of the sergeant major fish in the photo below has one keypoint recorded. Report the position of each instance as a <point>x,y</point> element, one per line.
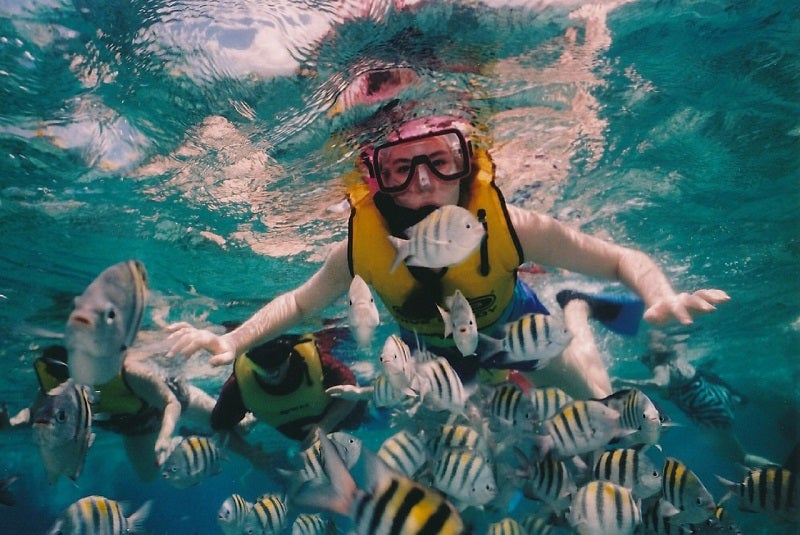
<point>232,514</point>
<point>527,344</point>
<point>362,314</point>
<point>579,427</point>
<point>404,452</point>
<point>770,489</point>
<point>459,320</point>
<point>631,469</point>
<point>603,508</point>
<point>398,365</point>
<point>268,516</point>
<point>99,515</point>
<point>683,489</point>
<point>390,504</point>
<point>62,426</point>
<point>466,476</point>
<point>638,414</point>
<point>191,460</point>
<point>447,236</point>
<point>105,321</point>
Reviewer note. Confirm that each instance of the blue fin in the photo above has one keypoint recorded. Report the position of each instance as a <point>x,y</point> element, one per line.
<point>620,312</point>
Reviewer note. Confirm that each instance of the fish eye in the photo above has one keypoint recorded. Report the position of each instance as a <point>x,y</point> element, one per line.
<point>61,416</point>
<point>110,315</point>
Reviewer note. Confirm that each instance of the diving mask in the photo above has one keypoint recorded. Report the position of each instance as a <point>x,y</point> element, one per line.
<point>445,153</point>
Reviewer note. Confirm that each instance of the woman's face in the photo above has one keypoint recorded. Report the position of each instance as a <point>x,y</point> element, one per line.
<point>425,188</point>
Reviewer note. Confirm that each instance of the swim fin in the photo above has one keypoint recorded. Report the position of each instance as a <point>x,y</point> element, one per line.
<point>620,312</point>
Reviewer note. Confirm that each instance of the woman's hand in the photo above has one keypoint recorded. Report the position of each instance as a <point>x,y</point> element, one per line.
<point>684,306</point>
<point>187,340</point>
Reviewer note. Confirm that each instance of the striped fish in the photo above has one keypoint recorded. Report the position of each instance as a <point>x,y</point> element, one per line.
<point>705,402</point>
<point>446,237</point>
<point>440,387</point>
<point>657,519</point>
<point>683,489</point>
<point>100,516</point>
<point>638,414</point>
<point>404,452</point>
<point>459,437</point>
<point>527,343</point>
<point>770,489</point>
<point>631,469</point>
<point>398,365</point>
<point>392,503</point>
<point>62,428</point>
<point>535,524</point>
<point>547,401</point>
<point>511,408</point>
<point>191,460</point>
<point>459,320</point>
<point>312,524</point>
<point>579,427</point>
<point>465,476</point>
<point>348,446</point>
<point>548,481</point>
<point>267,516</point>
<point>506,526</point>
<point>232,514</point>
<point>603,508</point>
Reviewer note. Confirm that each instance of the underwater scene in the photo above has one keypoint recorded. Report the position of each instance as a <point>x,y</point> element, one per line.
<point>184,162</point>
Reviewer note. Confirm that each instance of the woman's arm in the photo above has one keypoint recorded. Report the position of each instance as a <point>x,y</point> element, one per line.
<point>549,242</point>
<point>328,283</point>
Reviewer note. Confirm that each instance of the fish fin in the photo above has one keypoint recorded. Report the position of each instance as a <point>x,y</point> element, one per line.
<point>400,245</point>
<point>137,519</point>
<point>336,494</point>
<point>446,319</point>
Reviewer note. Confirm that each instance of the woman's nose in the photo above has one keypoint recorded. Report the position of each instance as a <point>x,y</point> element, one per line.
<point>423,178</point>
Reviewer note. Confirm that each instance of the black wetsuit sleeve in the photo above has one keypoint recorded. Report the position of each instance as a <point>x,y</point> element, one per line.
<point>229,409</point>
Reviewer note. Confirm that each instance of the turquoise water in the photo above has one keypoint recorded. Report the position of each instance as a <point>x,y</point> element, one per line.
<point>181,133</point>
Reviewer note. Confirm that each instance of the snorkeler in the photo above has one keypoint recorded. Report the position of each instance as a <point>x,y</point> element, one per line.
<point>424,164</point>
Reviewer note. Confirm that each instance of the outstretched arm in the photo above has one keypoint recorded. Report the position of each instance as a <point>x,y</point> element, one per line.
<point>549,242</point>
<point>148,385</point>
<point>322,289</point>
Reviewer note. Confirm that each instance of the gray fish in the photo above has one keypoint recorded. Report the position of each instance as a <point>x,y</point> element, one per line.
<point>192,459</point>
<point>682,488</point>
<point>232,514</point>
<point>770,489</point>
<point>631,469</point>
<point>100,516</point>
<point>267,516</point>
<point>603,508</point>
<point>105,321</point>
<point>528,343</point>
<point>62,426</point>
<point>638,414</point>
<point>447,236</point>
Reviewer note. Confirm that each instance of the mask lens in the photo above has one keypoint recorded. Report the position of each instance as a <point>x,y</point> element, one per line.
<point>445,154</point>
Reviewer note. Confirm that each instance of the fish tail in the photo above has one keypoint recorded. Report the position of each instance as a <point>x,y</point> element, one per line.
<point>137,519</point>
<point>336,494</point>
<point>730,485</point>
<point>400,245</point>
<point>446,319</point>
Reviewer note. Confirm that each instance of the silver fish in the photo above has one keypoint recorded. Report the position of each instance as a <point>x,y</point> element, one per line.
<point>404,452</point>
<point>459,320</point>
<point>62,426</point>
<point>446,237</point>
<point>506,526</point>
<point>459,437</point>
<point>466,476</point>
<point>682,488</point>
<point>548,481</point>
<point>232,514</point>
<point>105,321</point>
<point>511,408</point>
<point>398,365</point>
<point>638,414</point>
<point>100,516</point>
<point>192,459</point>
<point>348,446</point>
<point>631,469</point>
<point>548,400</point>
<point>362,313</point>
<point>312,524</point>
<point>439,386</point>
<point>268,516</point>
<point>391,503</point>
<point>579,427</point>
<point>770,489</point>
<point>527,344</point>
<point>603,508</point>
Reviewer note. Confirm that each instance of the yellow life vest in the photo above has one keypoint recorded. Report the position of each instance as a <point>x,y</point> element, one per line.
<point>486,278</point>
<point>308,400</point>
<point>111,398</point>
